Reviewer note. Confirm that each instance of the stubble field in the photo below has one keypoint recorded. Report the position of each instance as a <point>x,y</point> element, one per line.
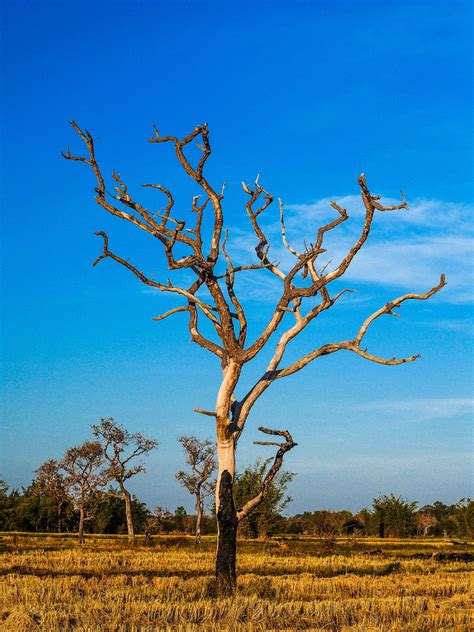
<point>52,583</point>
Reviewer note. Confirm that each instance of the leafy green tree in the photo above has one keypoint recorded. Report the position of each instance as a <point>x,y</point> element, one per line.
<point>110,515</point>
<point>396,516</point>
<point>444,515</point>
<point>322,522</point>
<point>464,517</point>
<point>369,521</point>
<point>180,518</point>
<point>7,508</point>
<point>33,512</point>
<point>266,516</point>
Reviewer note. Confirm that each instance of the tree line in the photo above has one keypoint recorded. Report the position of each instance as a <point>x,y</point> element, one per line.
<point>87,491</point>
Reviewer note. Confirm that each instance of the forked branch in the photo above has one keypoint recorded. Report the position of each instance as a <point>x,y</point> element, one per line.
<point>283,448</point>
<point>354,345</point>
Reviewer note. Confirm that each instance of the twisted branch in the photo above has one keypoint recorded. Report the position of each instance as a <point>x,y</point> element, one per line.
<point>283,448</point>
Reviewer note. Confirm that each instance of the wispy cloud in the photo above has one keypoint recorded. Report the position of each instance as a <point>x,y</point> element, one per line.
<point>423,409</point>
<point>385,463</point>
<point>463,326</point>
<point>407,249</point>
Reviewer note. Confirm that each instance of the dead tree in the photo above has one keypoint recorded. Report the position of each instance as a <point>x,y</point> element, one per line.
<point>200,456</point>
<point>50,482</point>
<point>425,521</point>
<point>120,447</point>
<point>84,477</point>
<point>212,296</point>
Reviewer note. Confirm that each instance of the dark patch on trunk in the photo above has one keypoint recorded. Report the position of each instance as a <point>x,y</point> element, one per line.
<point>227,538</point>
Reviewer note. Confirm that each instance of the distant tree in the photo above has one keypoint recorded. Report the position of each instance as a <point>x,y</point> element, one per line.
<point>109,515</point>
<point>33,512</point>
<point>425,520</point>
<point>7,507</point>
<point>84,478</point>
<point>200,456</point>
<point>161,521</point>
<point>444,514</point>
<point>464,517</point>
<point>266,515</point>
<point>180,517</point>
<point>50,483</point>
<point>396,516</point>
<point>121,447</point>
<point>322,522</point>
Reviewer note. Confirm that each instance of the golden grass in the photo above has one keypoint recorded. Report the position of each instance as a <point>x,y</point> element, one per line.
<point>52,583</point>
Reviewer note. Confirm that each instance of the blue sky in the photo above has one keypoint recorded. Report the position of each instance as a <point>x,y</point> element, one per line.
<point>308,94</point>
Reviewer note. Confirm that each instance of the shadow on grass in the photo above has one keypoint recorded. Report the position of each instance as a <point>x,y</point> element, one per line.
<point>388,569</point>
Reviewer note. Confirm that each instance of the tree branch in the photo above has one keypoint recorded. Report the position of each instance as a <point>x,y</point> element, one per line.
<point>283,448</point>
<point>206,308</point>
<point>354,345</point>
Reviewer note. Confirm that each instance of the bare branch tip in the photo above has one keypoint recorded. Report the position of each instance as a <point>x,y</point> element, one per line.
<point>245,188</point>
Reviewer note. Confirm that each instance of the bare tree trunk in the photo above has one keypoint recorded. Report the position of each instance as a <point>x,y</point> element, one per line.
<point>227,520</point>
<point>81,525</point>
<point>59,512</point>
<point>198,518</point>
<point>128,514</point>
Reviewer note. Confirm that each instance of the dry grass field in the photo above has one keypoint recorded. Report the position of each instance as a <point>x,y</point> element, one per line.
<point>53,583</point>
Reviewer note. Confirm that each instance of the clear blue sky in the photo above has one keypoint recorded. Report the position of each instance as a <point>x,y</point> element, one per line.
<point>308,94</point>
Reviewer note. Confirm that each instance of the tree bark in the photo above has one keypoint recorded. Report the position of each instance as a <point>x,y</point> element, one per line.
<point>59,512</point>
<point>227,520</point>
<point>198,518</point>
<point>128,514</point>
<point>81,525</point>
<point>226,577</point>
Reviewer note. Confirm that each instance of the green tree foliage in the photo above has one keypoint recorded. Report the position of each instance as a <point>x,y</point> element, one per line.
<point>320,523</point>
<point>26,510</point>
<point>464,517</point>
<point>444,515</point>
<point>7,508</point>
<point>266,517</point>
<point>109,515</point>
<point>396,516</point>
<point>180,518</point>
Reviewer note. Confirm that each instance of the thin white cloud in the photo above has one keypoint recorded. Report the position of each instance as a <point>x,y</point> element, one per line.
<point>423,409</point>
<point>406,249</point>
<point>385,463</point>
<point>462,326</point>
